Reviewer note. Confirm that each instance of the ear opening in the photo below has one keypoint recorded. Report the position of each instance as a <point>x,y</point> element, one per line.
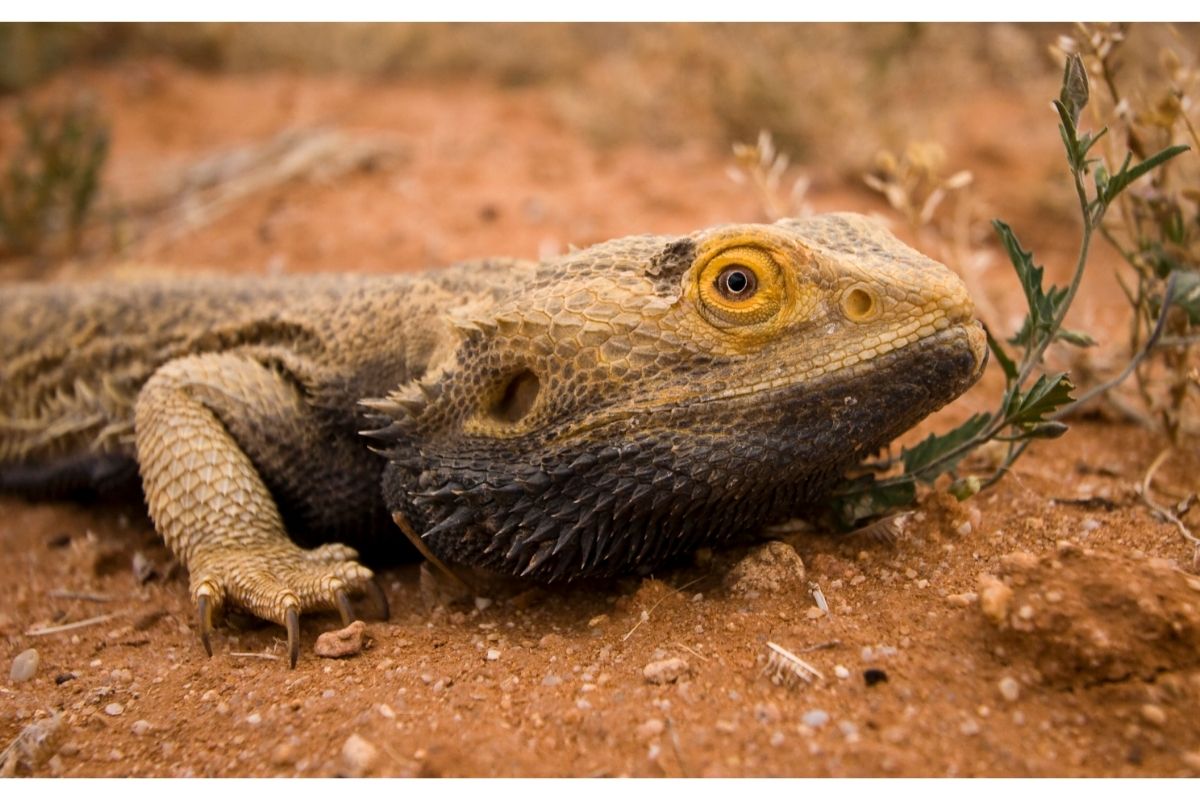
<point>517,398</point>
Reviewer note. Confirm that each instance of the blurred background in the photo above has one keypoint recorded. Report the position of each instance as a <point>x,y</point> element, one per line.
<point>293,147</point>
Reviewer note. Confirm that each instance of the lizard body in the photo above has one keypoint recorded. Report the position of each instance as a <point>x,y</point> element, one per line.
<point>586,415</point>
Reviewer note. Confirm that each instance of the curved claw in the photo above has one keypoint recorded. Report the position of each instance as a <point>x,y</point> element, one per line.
<point>344,607</point>
<point>293,631</point>
<point>374,591</point>
<point>205,611</point>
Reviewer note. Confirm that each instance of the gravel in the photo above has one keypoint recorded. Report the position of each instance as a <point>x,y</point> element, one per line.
<point>668,670</point>
<point>349,641</point>
<point>1155,715</point>
<point>817,718</point>
<point>359,755</point>
<point>114,709</point>
<point>24,666</point>
<point>141,727</point>
<point>994,599</point>
<point>1010,690</point>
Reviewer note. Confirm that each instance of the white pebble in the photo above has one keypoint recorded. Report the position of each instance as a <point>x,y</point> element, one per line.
<point>254,718</point>
<point>1010,690</point>
<point>24,666</point>
<point>114,709</point>
<point>841,672</point>
<point>667,670</point>
<point>815,718</point>
<point>141,727</point>
<point>483,603</point>
<point>493,655</point>
<point>359,755</point>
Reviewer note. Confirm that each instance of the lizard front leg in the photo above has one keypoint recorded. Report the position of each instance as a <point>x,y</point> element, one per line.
<point>196,420</point>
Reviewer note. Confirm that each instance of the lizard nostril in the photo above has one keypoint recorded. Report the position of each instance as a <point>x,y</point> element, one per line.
<point>517,398</point>
<point>859,304</point>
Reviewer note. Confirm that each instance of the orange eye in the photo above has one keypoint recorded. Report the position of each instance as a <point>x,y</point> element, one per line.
<point>737,282</point>
<point>741,285</point>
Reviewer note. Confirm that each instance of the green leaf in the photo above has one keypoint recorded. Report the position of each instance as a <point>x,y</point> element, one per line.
<point>1185,293</point>
<point>1043,304</point>
<point>1046,430</point>
<point>935,454</point>
<point>865,498</point>
<point>966,487</point>
<point>1127,175</point>
<point>1006,363</point>
<point>1077,338</point>
<point>1047,394</point>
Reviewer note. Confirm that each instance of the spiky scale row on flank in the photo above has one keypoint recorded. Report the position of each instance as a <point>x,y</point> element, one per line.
<point>589,415</point>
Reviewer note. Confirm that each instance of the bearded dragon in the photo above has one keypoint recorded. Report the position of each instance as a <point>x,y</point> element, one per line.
<point>587,415</point>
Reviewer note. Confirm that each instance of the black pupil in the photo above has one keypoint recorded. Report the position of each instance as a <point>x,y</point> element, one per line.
<point>736,282</point>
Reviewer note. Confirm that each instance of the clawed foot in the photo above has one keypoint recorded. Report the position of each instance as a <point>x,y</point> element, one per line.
<point>282,584</point>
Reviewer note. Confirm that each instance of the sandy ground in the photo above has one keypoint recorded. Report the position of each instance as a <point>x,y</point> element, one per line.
<point>1050,626</point>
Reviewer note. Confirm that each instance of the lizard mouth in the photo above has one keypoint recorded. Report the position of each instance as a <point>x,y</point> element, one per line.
<point>962,337</point>
<point>954,357</point>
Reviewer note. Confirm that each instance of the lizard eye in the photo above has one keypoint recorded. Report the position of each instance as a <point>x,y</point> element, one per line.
<point>740,285</point>
<point>737,282</point>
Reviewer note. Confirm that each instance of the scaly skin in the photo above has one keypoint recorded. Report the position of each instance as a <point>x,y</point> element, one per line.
<point>590,415</point>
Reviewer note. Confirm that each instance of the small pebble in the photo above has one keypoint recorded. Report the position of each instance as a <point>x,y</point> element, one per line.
<point>349,641</point>
<point>969,727</point>
<point>283,755</point>
<point>1154,714</point>
<point>386,711</point>
<point>24,666</point>
<point>668,670</point>
<point>551,680</point>
<point>254,719</point>
<point>114,709</point>
<point>493,655</point>
<point>963,600</point>
<point>994,599</point>
<point>359,755</point>
<point>815,718</point>
<point>1010,690</point>
<point>841,672</point>
<point>650,729</point>
<point>483,603</point>
<point>141,727</point>
<point>1192,760</point>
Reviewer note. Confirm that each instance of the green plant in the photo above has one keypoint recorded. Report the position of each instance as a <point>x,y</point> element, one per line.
<point>1156,227</point>
<point>1034,401</point>
<point>50,183</point>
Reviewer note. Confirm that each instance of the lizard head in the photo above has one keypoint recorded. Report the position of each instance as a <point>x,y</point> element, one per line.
<point>636,399</point>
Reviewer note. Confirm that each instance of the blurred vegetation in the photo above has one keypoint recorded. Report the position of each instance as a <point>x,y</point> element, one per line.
<point>809,84</point>
<point>1157,227</point>
<point>51,179</point>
